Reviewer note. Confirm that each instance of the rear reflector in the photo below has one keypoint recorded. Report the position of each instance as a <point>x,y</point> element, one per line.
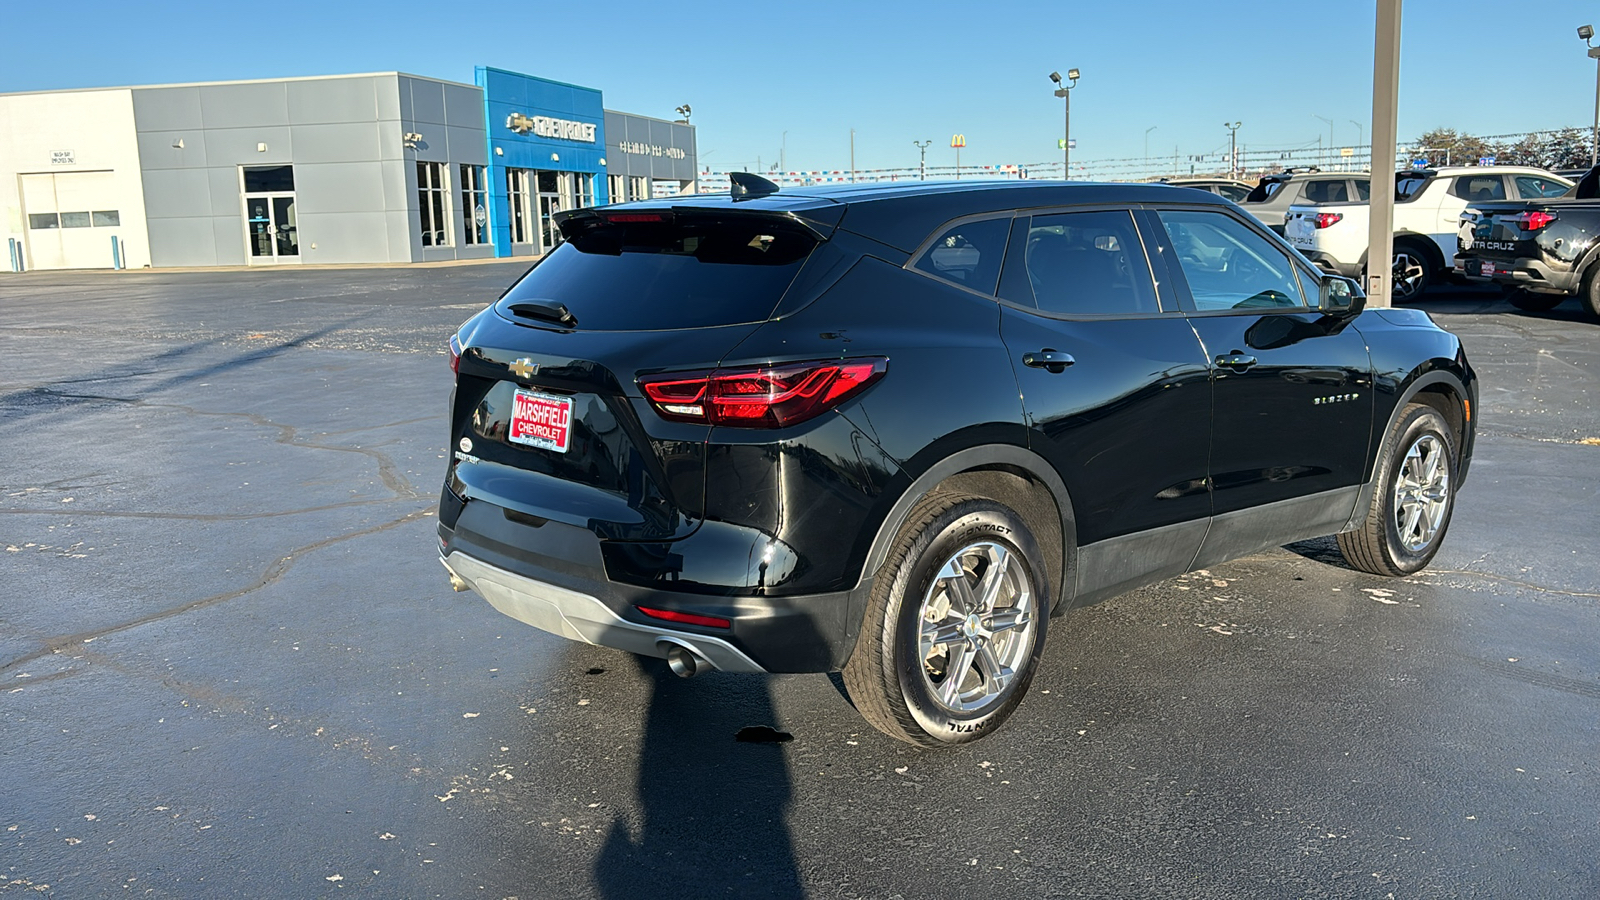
<point>667,615</point>
<point>761,396</point>
<point>455,354</point>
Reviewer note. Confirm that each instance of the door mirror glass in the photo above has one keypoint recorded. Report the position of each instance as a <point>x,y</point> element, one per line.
<point>1341,296</point>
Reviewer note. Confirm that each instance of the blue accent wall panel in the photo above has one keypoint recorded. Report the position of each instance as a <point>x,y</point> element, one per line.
<point>508,94</point>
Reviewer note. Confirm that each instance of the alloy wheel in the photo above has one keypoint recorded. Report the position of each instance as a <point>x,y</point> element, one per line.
<point>976,626</point>
<point>1410,274</point>
<point>1421,492</point>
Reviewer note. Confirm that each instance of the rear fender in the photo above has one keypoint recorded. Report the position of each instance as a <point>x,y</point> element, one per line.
<point>965,470</point>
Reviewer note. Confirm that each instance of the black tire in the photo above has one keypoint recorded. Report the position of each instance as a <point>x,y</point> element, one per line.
<point>1591,292</point>
<point>1385,543</point>
<point>893,684</point>
<point>1412,272</point>
<point>1528,301</point>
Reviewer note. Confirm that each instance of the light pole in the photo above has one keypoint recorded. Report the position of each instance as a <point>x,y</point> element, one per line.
<point>922,165</point>
<point>1330,133</point>
<point>684,111</point>
<point>1233,147</point>
<point>1360,137</point>
<point>783,153</point>
<point>1064,91</point>
<point>1147,145</point>
<point>1587,33</point>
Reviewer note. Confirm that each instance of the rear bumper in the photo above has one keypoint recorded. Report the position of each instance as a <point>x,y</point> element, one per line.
<point>553,576</point>
<point>580,617</point>
<point>1521,272</point>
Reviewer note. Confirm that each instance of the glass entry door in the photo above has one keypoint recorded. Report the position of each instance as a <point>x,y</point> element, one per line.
<point>550,203</point>
<point>271,227</point>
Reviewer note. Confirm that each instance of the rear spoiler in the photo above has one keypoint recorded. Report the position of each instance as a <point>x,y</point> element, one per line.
<point>819,222</point>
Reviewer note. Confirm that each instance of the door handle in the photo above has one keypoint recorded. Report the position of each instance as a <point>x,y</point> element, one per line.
<point>1053,361</point>
<point>1236,361</point>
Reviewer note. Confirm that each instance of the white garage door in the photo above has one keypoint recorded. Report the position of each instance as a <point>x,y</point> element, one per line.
<point>72,219</point>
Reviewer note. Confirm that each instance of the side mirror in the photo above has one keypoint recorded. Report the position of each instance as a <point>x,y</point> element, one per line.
<point>1341,296</point>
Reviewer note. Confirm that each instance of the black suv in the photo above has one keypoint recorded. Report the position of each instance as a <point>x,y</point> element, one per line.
<point>894,429</point>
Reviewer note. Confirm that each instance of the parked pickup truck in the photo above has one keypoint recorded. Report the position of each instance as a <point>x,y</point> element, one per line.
<point>1427,214</point>
<point>1540,251</point>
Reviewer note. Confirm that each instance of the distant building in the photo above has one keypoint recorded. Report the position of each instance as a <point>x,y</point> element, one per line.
<point>374,168</point>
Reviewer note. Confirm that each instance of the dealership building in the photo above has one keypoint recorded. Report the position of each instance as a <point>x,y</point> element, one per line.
<point>375,168</point>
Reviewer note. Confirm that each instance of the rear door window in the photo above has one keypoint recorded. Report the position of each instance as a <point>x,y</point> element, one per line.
<point>683,272</point>
<point>1229,266</point>
<point>1086,264</point>
<point>1476,188</point>
<point>968,254</point>
<point>1234,192</point>
<point>1363,189</point>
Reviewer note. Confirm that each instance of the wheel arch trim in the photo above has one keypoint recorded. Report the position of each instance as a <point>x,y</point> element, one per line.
<point>986,456</point>
<point>1413,388</point>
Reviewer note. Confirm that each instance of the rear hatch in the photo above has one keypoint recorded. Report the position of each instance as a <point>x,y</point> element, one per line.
<point>548,419</point>
<point>1492,235</point>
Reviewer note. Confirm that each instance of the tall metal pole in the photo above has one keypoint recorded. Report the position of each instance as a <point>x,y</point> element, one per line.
<point>1233,146</point>
<point>922,165</point>
<point>852,156</point>
<point>1594,154</point>
<point>1066,140</point>
<point>1147,144</point>
<point>1385,106</point>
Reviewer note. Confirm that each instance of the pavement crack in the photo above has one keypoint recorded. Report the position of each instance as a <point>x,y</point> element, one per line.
<point>193,517</point>
<point>388,471</point>
<point>271,575</point>
<point>1531,676</point>
<point>1516,581</point>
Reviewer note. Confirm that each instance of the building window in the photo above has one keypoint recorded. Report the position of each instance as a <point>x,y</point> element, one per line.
<point>434,204</point>
<point>104,217</point>
<point>517,199</point>
<point>474,205</point>
<point>616,188</point>
<point>638,188</point>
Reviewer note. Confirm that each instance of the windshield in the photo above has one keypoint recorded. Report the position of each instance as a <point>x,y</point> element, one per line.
<point>1407,185</point>
<point>1264,190</point>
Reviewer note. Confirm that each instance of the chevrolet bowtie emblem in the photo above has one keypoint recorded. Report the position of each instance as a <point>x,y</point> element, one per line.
<point>524,368</point>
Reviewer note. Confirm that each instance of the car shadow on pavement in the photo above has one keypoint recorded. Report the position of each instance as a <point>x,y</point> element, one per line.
<point>711,819</point>
<point>1323,550</point>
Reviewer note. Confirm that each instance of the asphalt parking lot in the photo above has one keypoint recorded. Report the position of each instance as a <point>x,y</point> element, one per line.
<point>231,666</point>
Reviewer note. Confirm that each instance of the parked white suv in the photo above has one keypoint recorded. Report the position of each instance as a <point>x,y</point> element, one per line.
<point>1427,214</point>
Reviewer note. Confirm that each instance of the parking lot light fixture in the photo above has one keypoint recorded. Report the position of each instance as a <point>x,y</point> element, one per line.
<point>1233,146</point>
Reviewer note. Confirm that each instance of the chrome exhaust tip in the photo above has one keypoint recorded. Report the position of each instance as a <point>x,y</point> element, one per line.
<point>457,583</point>
<point>683,662</point>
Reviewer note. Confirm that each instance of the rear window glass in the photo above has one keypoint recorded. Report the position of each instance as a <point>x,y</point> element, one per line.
<point>1363,190</point>
<point>683,274</point>
<point>1480,187</point>
<point>1326,192</point>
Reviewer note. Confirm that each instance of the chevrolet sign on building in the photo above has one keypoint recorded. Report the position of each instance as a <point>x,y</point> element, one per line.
<point>546,127</point>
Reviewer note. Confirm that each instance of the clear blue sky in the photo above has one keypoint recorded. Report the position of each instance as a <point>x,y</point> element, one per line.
<point>895,72</point>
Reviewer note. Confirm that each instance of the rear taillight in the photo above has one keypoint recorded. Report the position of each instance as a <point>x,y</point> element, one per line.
<point>1533,221</point>
<point>455,355</point>
<point>1323,220</point>
<point>763,396</point>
